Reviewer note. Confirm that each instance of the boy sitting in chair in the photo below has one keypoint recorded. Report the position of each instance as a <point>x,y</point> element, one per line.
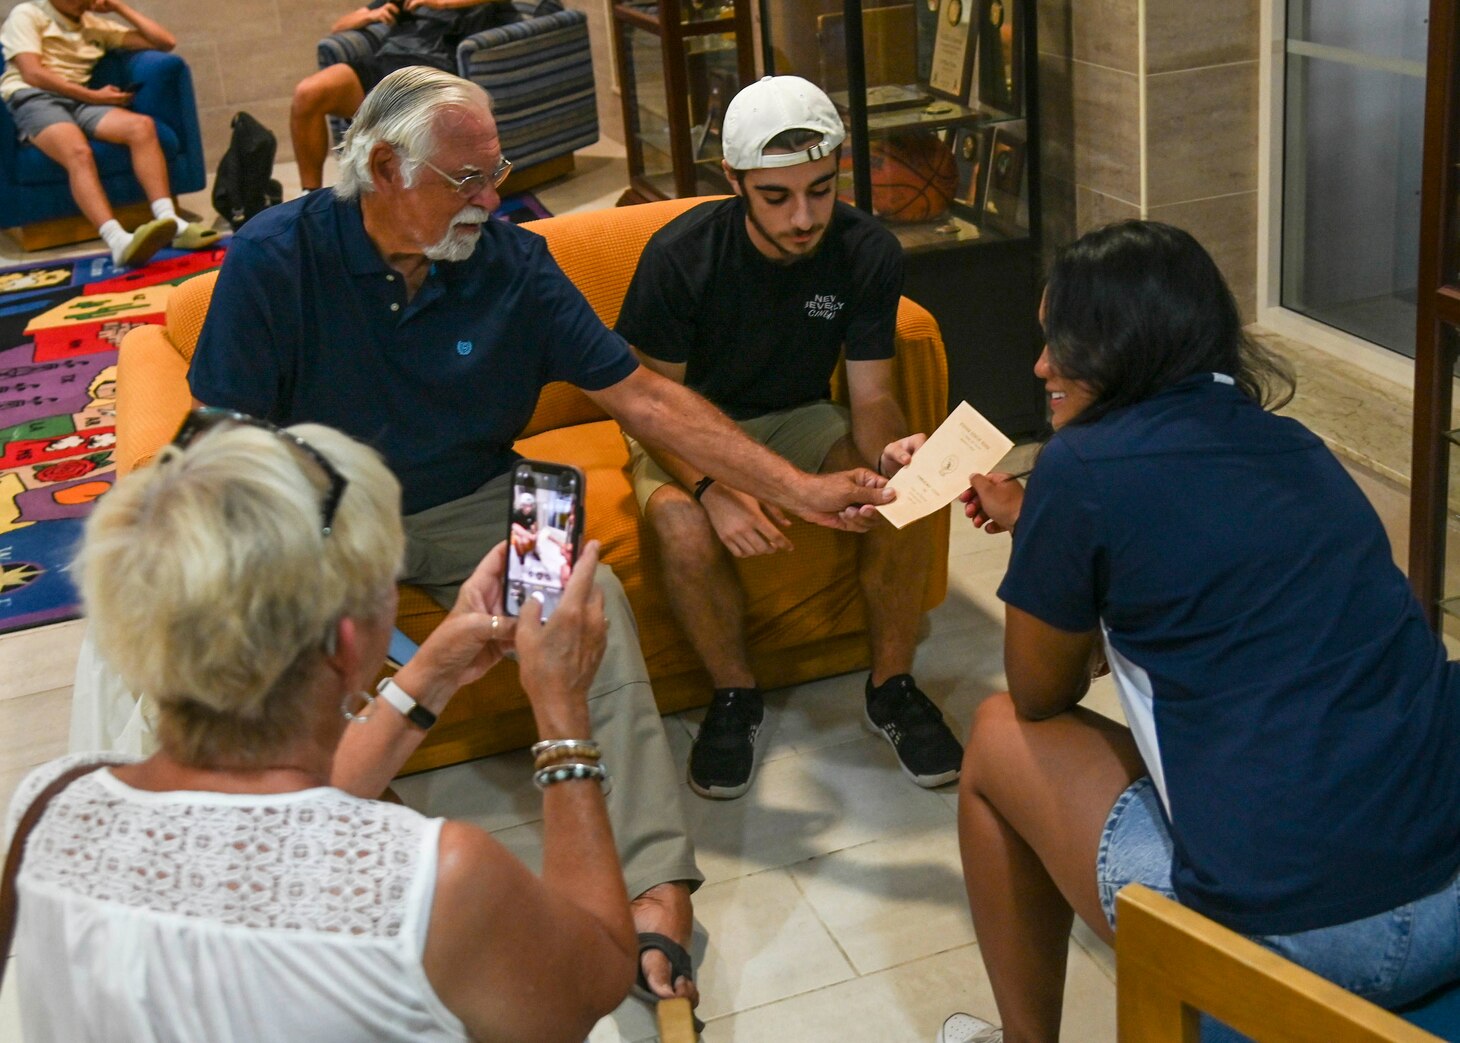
<point>51,48</point>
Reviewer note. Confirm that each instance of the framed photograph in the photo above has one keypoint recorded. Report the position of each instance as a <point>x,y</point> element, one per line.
<point>970,154</point>
<point>998,80</point>
<point>951,72</point>
<point>1006,200</point>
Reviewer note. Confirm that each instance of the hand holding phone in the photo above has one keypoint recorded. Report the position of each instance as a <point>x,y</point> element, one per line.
<point>544,532</point>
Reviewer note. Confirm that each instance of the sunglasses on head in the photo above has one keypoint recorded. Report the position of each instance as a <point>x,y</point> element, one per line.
<point>208,418</point>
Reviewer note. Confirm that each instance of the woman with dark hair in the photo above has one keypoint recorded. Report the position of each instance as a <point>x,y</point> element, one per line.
<point>1292,765</point>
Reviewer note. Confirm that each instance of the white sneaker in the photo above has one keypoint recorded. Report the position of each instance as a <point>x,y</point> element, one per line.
<point>965,1028</point>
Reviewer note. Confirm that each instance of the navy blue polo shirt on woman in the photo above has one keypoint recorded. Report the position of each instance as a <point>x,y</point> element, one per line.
<point>309,324</point>
<point>1298,716</point>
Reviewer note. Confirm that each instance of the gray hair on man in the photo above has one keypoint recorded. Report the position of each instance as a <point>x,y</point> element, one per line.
<point>401,112</point>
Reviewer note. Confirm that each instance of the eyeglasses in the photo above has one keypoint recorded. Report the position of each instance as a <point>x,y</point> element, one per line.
<point>206,418</point>
<point>468,186</point>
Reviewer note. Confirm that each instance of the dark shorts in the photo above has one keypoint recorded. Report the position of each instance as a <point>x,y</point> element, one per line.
<point>34,110</point>
<point>375,67</point>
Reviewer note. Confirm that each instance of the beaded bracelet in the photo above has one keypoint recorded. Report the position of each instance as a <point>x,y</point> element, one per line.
<point>564,772</point>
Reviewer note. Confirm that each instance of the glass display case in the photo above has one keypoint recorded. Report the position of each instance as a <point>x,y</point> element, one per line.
<point>933,94</point>
<point>942,146</point>
<point>680,62</point>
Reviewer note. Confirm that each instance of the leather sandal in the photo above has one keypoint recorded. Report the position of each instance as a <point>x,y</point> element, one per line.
<point>680,966</point>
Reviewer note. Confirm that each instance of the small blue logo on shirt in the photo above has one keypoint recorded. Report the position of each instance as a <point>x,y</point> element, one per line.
<point>463,348</point>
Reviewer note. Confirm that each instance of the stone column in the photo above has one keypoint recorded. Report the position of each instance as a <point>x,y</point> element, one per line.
<point>1149,110</point>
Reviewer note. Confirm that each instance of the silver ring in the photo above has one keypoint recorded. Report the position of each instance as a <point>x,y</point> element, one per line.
<point>496,625</point>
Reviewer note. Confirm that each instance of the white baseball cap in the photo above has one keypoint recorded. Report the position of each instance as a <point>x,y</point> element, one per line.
<point>774,105</point>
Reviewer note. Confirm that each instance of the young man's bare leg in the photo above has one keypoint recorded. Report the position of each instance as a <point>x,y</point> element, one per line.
<point>139,134</point>
<point>701,585</point>
<point>67,145</point>
<point>1032,804</point>
<point>333,91</point>
<point>892,567</point>
<point>705,596</point>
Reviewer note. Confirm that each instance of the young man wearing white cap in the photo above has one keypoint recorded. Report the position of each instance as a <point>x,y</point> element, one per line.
<point>751,301</point>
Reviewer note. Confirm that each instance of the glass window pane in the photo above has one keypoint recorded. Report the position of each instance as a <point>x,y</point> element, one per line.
<point>1351,183</point>
<point>1380,28</point>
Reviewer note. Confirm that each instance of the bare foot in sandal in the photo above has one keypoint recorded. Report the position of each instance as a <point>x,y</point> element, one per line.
<point>665,910</point>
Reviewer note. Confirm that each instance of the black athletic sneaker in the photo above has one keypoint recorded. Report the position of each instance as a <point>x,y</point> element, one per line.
<point>723,756</point>
<point>905,717</point>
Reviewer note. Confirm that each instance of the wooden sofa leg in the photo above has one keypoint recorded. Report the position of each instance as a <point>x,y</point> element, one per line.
<point>63,231</point>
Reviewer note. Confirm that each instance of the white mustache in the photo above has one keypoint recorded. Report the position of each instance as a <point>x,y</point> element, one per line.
<point>471,215</point>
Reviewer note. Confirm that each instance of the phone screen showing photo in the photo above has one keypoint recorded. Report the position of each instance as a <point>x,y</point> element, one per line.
<point>545,518</point>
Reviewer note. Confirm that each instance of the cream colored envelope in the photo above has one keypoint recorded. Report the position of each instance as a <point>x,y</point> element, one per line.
<point>964,444</point>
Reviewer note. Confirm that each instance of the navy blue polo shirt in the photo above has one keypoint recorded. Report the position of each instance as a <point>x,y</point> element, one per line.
<point>308,323</point>
<point>1298,716</point>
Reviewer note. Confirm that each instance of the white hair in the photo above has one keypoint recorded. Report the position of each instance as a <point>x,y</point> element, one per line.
<point>401,112</point>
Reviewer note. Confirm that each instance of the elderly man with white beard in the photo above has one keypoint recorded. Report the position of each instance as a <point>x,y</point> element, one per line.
<point>394,308</point>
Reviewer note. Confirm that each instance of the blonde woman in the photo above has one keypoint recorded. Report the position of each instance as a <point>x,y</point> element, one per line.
<point>239,884</point>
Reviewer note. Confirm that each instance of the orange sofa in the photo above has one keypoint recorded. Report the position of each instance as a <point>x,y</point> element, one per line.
<point>805,614</point>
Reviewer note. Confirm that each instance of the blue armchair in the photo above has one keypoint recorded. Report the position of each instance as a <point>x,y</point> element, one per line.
<point>539,72</point>
<point>33,188</point>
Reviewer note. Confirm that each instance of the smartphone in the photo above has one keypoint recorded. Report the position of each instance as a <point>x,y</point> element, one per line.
<point>544,532</point>
<point>132,88</point>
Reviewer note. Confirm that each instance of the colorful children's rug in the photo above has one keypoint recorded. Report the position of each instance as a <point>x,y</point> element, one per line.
<point>60,325</point>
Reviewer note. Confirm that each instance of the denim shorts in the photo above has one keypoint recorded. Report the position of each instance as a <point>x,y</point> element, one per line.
<point>1390,958</point>
<point>34,110</point>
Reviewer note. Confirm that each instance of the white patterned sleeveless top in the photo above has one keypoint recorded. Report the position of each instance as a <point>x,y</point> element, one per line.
<point>190,916</point>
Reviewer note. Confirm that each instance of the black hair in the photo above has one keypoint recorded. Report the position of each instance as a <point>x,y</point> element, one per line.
<point>1137,306</point>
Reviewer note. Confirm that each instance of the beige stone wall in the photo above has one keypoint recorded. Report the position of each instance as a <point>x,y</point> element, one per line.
<point>249,54</point>
<point>1168,134</point>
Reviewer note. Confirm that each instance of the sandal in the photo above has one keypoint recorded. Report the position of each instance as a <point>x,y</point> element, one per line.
<point>146,241</point>
<point>680,966</point>
<point>195,237</point>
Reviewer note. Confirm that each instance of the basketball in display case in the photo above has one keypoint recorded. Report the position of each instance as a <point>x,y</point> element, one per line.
<point>914,177</point>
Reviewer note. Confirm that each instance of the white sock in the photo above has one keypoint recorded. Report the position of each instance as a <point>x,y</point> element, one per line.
<point>163,208</point>
<point>116,237</point>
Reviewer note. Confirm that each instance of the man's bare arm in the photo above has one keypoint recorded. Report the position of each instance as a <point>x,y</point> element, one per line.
<point>36,75</point>
<point>363,16</point>
<point>745,525</point>
<point>146,33</point>
<point>877,417</point>
<point>661,413</point>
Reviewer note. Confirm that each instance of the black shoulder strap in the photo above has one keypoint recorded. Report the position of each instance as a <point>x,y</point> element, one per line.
<point>9,899</point>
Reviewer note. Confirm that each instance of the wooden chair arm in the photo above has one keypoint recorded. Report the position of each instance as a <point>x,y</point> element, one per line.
<point>1172,963</point>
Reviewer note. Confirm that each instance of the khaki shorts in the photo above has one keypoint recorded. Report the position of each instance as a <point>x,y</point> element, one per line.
<point>802,434</point>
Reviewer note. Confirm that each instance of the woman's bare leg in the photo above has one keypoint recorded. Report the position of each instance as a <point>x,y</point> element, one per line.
<point>1033,801</point>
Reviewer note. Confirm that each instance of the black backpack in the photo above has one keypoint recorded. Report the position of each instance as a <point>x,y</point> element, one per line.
<point>243,186</point>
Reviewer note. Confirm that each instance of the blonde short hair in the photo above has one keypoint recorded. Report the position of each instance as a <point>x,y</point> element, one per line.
<point>211,588</point>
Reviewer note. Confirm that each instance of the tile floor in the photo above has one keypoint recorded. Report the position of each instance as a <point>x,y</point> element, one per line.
<point>833,908</point>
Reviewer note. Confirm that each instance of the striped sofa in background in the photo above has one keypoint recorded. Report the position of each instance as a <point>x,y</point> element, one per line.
<point>539,72</point>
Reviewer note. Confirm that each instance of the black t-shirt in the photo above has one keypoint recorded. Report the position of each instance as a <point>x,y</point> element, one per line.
<point>758,336</point>
<point>429,32</point>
